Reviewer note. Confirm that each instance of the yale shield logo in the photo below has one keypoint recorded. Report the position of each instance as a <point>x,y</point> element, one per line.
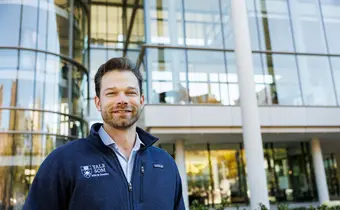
<point>86,171</point>
<point>94,170</point>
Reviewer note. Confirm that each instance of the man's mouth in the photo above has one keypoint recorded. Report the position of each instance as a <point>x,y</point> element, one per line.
<point>122,111</point>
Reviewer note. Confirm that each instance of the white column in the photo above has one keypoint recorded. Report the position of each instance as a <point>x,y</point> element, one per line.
<point>250,118</point>
<point>319,170</point>
<point>180,161</point>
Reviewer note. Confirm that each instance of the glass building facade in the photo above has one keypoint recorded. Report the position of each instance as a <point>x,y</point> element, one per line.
<point>43,87</point>
<point>189,52</point>
<point>50,51</point>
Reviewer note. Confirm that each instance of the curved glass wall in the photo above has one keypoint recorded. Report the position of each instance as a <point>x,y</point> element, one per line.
<point>191,58</point>
<point>45,25</point>
<point>43,90</point>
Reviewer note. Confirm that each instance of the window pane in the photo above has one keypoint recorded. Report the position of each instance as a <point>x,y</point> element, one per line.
<point>42,27</point>
<point>227,25</point>
<point>79,92</point>
<point>316,80</point>
<point>202,64</point>
<point>336,75</point>
<point>25,86</point>
<point>203,23</point>
<point>58,30</point>
<point>331,18</point>
<point>54,83</point>
<point>307,25</point>
<point>287,80</point>
<point>198,173</point>
<point>274,25</point>
<point>29,25</point>
<point>253,25</point>
<point>8,72</point>
<point>167,71</point>
<point>166,24</point>
<point>98,57</point>
<point>40,81</point>
<point>10,16</point>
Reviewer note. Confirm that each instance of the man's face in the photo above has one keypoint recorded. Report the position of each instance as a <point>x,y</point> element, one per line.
<point>120,101</point>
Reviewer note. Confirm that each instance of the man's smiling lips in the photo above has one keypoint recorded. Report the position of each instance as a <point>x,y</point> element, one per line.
<point>123,111</point>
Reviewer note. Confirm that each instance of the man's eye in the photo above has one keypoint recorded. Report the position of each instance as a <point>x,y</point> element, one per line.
<point>131,93</point>
<point>110,93</point>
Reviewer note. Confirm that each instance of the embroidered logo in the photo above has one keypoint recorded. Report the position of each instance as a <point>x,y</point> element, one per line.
<point>158,165</point>
<point>94,170</point>
<point>86,171</point>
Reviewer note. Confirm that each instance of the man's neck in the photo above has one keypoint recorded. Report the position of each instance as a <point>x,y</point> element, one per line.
<point>125,139</point>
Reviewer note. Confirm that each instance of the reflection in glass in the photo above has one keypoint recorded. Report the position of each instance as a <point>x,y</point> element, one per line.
<point>203,23</point>
<point>79,92</point>
<point>40,81</point>
<point>29,25</point>
<point>287,80</point>
<point>274,25</point>
<point>227,25</point>
<point>316,81</point>
<point>289,172</point>
<point>253,26</point>
<point>80,47</point>
<point>21,155</point>
<point>331,169</point>
<point>198,174</point>
<point>335,62</point>
<point>215,172</point>
<point>10,16</point>
<point>205,68</point>
<point>167,72</point>
<point>166,22</point>
<point>331,18</point>
<point>306,20</point>
<point>8,72</point>
<point>26,79</point>
<point>42,26</point>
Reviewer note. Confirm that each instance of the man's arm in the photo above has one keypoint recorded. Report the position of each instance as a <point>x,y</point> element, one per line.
<point>50,187</point>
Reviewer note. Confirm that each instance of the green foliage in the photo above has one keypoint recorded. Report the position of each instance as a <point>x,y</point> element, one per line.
<point>197,206</point>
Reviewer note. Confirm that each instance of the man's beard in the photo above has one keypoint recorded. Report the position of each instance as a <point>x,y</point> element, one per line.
<point>121,122</point>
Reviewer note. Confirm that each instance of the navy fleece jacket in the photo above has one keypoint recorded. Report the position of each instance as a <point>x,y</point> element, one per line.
<point>86,174</point>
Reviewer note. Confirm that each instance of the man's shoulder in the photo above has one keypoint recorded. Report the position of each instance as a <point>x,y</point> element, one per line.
<point>161,154</point>
<point>67,150</point>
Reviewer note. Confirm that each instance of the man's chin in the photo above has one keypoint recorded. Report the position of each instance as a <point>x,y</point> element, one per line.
<point>122,125</point>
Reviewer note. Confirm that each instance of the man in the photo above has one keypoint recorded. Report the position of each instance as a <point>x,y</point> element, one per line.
<point>116,166</point>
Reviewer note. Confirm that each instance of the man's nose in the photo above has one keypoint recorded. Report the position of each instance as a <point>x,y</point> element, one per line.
<point>122,99</point>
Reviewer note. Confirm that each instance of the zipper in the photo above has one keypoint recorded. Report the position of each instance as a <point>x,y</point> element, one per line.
<point>141,182</point>
<point>129,184</point>
<point>132,178</point>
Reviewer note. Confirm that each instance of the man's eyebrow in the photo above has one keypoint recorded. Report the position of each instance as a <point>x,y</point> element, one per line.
<point>110,88</point>
<point>131,87</point>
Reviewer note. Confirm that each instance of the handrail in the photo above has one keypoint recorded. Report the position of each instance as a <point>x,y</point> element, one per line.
<point>43,110</point>
<point>82,67</point>
<point>153,46</point>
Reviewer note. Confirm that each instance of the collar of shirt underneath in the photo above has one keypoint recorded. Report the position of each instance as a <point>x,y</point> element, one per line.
<point>108,141</point>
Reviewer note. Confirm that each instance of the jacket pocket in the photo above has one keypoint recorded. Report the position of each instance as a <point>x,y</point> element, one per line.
<point>141,182</point>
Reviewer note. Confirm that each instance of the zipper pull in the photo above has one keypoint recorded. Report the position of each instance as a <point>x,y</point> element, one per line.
<point>142,169</point>
<point>130,187</point>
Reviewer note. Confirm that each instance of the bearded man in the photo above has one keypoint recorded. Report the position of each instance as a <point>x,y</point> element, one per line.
<point>116,166</point>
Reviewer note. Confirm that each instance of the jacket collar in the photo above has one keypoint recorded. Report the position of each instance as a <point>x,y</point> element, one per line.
<point>147,139</point>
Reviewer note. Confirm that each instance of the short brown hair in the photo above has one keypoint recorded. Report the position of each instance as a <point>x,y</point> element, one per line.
<point>117,64</point>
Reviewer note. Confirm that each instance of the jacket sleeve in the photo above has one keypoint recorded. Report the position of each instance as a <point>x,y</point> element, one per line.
<point>50,188</point>
<point>179,202</point>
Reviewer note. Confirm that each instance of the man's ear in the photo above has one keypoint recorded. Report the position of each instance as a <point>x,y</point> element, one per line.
<point>142,100</point>
<point>97,103</point>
